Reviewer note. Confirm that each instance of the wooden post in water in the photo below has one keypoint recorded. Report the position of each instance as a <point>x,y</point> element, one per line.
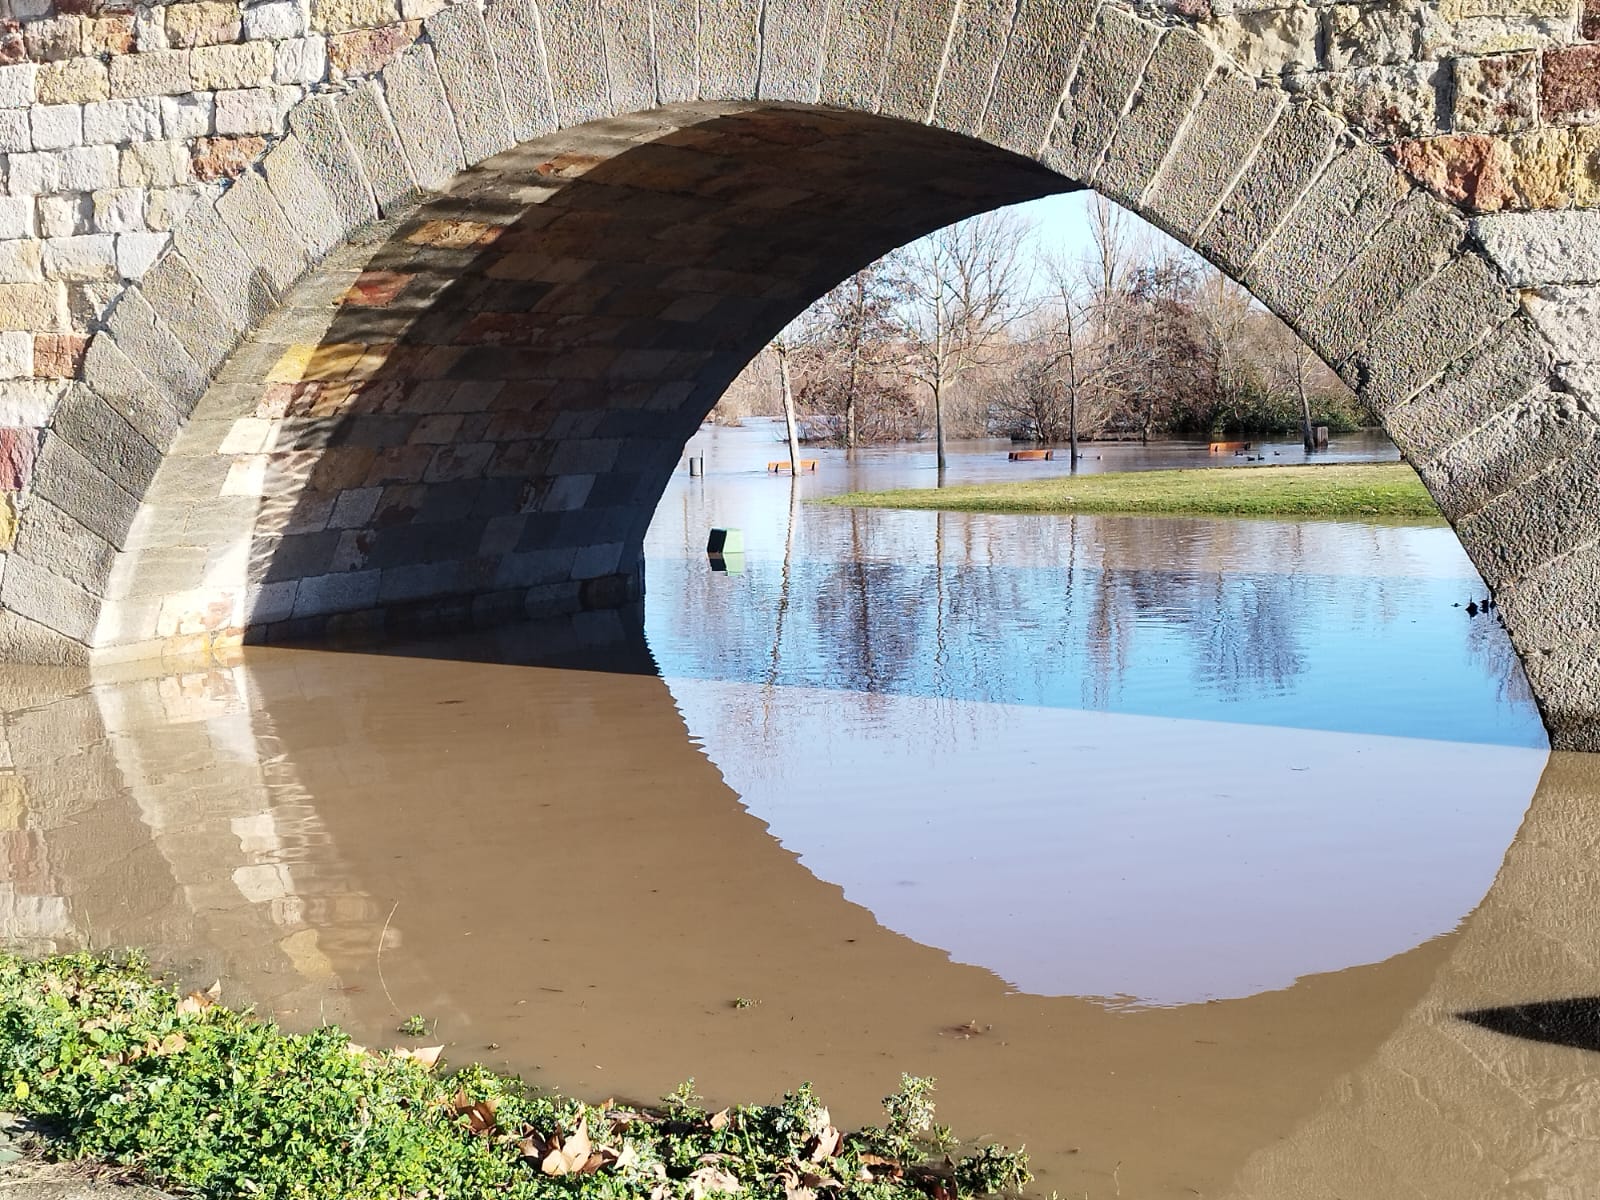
<point>781,348</point>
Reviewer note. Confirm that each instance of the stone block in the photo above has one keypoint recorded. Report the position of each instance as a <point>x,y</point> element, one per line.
<point>916,56</point>
<point>575,50</point>
<point>1112,61</point>
<point>1507,451</point>
<point>1570,85</point>
<point>471,80</point>
<point>1314,245</point>
<point>248,110</point>
<point>37,307</point>
<point>276,21</point>
<point>244,65</point>
<point>308,205</point>
<point>730,49</point>
<point>53,39</point>
<point>516,34</point>
<point>17,85</point>
<point>1557,604</point>
<point>1172,83</point>
<point>75,81</point>
<point>188,116</point>
<point>259,225</point>
<point>153,165</point>
<point>625,29</point>
<point>422,117</point>
<point>56,126</point>
<point>976,44</point>
<point>365,51</point>
<point>1422,236</point>
<point>127,390</point>
<point>857,48</point>
<point>300,60</point>
<point>65,215</point>
<point>1357,35</point>
<point>79,169</point>
<point>1437,324</point>
<point>1536,249</point>
<point>119,210</point>
<point>1507,366</point>
<point>16,354</point>
<point>345,591</point>
<point>202,328</point>
<point>108,122</point>
<point>137,251</point>
<point>1229,123</point>
<point>109,35</point>
<point>1384,103</point>
<point>1570,318</point>
<point>335,16</point>
<point>1495,94</point>
<point>97,431</point>
<point>16,217</point>
<point>80,489</point>
<point>150,346</point>
<point>1293,155</point>
<point>1267,42</point>
<point>1032,80</point>
<point>214,158</point>
<point>19,449</point>
<point>370,130</point>
<point>22,261</point>
<point>36,594</point>
<point>58,355</point>
<point>152,73</point>
<point>206,23</point>
<point>28,403</point>
<point>92,256</point>
<point>333,161</point>
<point>16,131</point>
<point>1553,512</point>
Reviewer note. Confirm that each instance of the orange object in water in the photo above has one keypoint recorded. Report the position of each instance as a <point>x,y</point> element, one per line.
<point>806,464</point>
<point>1032,455</point>
<point>1224,447</point>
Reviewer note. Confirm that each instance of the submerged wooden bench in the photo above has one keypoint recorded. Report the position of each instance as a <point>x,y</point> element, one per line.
<point>1032,455</point>
<point>806,464</point>
<point>1224,447</point>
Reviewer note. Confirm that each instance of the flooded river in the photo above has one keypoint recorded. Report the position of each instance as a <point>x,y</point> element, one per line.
<point>1174,849</point>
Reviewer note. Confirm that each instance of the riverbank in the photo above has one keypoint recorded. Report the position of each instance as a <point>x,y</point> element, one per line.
<point>1387,490</point>
<point>104,1062</point>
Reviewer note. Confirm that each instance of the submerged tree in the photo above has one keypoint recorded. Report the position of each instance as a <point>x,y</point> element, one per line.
<point>847,342</point>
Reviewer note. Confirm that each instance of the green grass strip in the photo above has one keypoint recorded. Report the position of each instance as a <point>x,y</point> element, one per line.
<point>111,1064</point>
<point>1390,490</point>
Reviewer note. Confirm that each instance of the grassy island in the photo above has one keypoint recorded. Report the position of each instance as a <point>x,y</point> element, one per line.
<point>1389,490</point>
<point>109,1064</point>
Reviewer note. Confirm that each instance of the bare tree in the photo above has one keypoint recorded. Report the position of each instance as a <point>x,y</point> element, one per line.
<point>967,285</point>
<point>848,337</point>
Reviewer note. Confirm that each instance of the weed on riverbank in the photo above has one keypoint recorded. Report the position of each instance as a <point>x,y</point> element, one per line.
<point>110,1064</point>
<point>1385,490</point>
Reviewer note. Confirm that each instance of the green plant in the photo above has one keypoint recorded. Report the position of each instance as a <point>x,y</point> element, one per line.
<point>186,1093</point>
<point>415,1025</point>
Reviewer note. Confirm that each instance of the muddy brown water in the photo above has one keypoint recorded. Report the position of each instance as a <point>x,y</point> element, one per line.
<point>1175,954</point>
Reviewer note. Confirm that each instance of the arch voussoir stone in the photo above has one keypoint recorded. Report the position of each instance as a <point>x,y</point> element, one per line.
<point>1161,104</point>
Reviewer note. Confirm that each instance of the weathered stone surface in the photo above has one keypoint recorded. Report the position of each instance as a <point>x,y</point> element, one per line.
<point>32,592</point>
<point>1506,451</point>
<point>1553,512</point>
<point>1557,604</point>
<point>516,33</point>
<point>791,50</point>
<point>193,317</point>
<point>1509,365</point>
<point>1360,36</point>
<point>1438,323</point>
<point>150,346</point>
<point>1422,236</point>
<point>1570,318</point>
<point>123,386</point>
<point>1031,82</point>
<point>1172,84</point>
<point>1324,233</point>
<point>916,58</point>
<point>977,42</point>
<point>364,51</point>
<point>333,159</point>
<point>730,48</point>
<point>1570,87</point>
<point>79,488</point>
<point>422,118</point>
<point>1109,68</point>
<point>1548,248</point>
<point>1294,153</point>
<point>471,80</point>
<point>262,230</point>
<point>1268,41</point>
<point>1471,169</point>
<point>1228,124</point>
<point>1496,94</point>
<point>101,435</point>
<point>305,201</point>
<point>857,55</point>
<point>370,130</point>
<point>577,61</point>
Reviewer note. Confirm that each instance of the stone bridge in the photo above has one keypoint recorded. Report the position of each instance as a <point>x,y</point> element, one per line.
<point>325,316</point>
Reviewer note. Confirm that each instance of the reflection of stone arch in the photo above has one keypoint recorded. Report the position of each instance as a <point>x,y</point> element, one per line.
<point>483,373</point>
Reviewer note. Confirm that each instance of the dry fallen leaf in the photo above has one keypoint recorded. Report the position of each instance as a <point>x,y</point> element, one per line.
<point>719,1120</point>
<point>825,1144</point>
<point>427,1056</point>
<point>709,1180</point>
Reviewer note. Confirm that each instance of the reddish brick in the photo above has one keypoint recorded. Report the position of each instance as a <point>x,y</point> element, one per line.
<point>376,289</point>
<point>111,35</point>
<point>225,157</point>
<point>18,447</point>
<point>1469,169</point>
<point>454,235</point>
<point>367,50</point>
<point>58,355</point>
<point>1571,86</point>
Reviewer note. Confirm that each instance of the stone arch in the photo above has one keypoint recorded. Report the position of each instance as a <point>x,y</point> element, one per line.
<point>511,148</point>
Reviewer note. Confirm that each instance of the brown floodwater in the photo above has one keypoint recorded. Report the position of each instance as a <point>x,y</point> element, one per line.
<point>1196,917</point>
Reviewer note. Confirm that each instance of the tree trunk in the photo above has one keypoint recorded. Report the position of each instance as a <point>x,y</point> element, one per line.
<point>1072,392</point>
<point>938,422</point>
<point>788,408</point>
<point>1307,433</point>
